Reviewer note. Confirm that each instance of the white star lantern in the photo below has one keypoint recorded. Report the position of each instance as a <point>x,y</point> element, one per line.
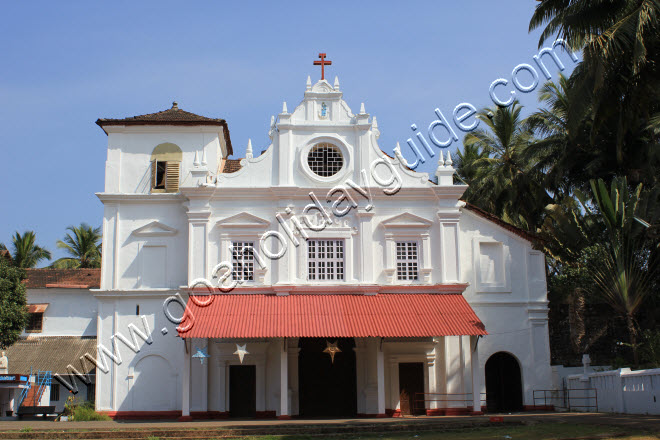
<point>241,351</point>
<point>332,350</point>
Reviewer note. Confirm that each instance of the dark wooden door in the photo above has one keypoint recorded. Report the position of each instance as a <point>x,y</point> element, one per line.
<point>242,390</point>
<point>411,385</point>
<point>503,383</point>
<point>326,388</point>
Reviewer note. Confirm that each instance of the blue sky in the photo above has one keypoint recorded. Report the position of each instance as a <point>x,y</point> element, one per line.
<point>67,63</point>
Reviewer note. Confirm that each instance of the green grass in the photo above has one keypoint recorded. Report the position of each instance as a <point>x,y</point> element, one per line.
<point>541,431</point>
<point>87,414</point>
<point>26,429</point>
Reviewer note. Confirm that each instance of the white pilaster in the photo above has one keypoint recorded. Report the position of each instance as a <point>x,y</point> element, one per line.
<point>455,363</point>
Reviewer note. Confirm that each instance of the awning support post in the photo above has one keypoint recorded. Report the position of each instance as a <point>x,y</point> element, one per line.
<point>185,388</point>
<point>380,372</point>
<point>476,376</point>
<point>284,382</point>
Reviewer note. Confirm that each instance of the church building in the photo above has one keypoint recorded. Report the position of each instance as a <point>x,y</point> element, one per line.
<point>319,277</point>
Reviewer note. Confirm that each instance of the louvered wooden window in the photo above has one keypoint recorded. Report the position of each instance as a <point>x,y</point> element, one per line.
<point>165,176</point>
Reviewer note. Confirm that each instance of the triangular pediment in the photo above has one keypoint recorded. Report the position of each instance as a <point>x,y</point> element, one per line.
<point>155,229</point>
<point>406,220</point>
<point>243,220</point>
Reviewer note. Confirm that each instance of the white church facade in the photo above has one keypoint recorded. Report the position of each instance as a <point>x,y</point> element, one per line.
<point>358,287</point>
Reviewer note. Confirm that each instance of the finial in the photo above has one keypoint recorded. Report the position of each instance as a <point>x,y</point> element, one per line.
<point>374,127</point>
<point>448,162</point>
<point>309,83</point>
<point>272,121</point>
<point>204,157</point>
<point>248,150</point>
<point>397,150</point>
<point>196,160</point>
<point>362,111</point>
<point>441,160</point>
<point>336,83</point>
<point>175,105</point>
<point>284,110</point>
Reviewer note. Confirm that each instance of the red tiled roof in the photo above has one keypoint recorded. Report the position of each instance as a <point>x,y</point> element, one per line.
<point>171,116</point>
<point>527,235</point>
<point>63,278</point>
<point>231,166</point>
<point>333,315</point>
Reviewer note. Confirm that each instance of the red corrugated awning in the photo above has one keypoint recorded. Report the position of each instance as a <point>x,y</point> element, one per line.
<point>332,315</point>
<point>37,308</point>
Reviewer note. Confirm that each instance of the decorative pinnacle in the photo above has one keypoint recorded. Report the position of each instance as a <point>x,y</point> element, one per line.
<point>441,160</point>
<point>397,150</point>
<point>336,83</point>
<point>175,106</point>
<point>204,157</point>
<point>284,110</point>
<point>374,123</point>
<point>196,160</point>
<point>248,151</point>
<point>362,110</point>
<point>309,83</point>
<point>448,162</point>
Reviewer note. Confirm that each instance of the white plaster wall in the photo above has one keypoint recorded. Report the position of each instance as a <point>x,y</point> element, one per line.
<point>121,388</point>
<point>70,312</point>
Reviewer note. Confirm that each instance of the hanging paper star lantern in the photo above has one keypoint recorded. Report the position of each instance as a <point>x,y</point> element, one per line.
<point>241,351</point>
<point>201,354</point>
<point>332,349</point>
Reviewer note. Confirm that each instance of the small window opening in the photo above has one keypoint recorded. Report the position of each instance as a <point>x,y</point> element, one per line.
<point>161,173</point>
<point>137,310</point>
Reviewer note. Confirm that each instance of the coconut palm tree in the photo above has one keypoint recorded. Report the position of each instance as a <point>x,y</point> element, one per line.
<point>504,181</point>
<point>83,245</point>
<point>616,85</point>
<point>26,253</point>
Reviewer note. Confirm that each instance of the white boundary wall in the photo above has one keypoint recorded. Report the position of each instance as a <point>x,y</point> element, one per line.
<point>623,390</point>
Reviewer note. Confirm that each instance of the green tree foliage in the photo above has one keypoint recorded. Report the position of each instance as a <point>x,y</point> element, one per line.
<point>26,253</point>
<point>83,244</point>
<point>13,313</point>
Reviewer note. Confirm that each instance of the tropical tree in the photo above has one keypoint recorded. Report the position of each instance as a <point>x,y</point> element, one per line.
<point>83,245</point>
<point>615,87</point>
<point>624,280</point>
<point>13,313</point>
<point>26,253</point>
<point>494,161</point>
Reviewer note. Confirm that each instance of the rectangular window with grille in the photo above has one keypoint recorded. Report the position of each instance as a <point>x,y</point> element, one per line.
<point>35,322</point>
<point>325,260</point>
<point>407,261</point>
<point>54,392</point>
<point>242,254</point>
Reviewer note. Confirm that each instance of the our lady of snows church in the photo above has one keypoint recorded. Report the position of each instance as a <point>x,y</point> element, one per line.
<point>342,283</point>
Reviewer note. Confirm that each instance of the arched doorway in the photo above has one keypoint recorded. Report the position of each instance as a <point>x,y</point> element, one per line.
<point>327,388</point>
<point>503,383</point>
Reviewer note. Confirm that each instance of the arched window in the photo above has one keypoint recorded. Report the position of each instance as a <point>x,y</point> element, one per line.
<point>165,168</point>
